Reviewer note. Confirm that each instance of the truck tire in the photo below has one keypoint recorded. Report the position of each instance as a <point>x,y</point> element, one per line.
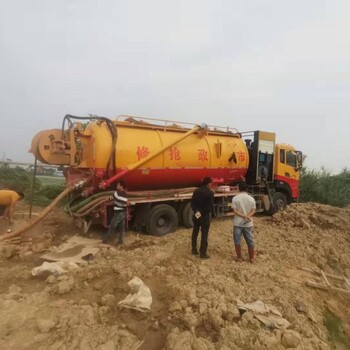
<point>187,215</point>
<point>162,220</point>
<point>279,201</point>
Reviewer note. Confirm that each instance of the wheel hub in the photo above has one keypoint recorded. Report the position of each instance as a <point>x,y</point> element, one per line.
<point>161,222</point>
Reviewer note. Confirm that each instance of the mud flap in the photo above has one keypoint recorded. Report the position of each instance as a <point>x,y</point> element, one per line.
<point>266,202</point>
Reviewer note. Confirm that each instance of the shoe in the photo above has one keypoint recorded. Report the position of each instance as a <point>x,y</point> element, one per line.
<point>251,253</point>
<point>239,253</point>
<point>204,256</point>
<point>195,252</point>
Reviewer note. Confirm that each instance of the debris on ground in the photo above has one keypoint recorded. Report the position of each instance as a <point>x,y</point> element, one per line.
<point>267,314</point>
<point>141,299</point>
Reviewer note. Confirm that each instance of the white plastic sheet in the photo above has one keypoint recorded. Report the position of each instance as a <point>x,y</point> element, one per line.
<point>265,313</point>
<point>55,268</point>
<point>141,299</point>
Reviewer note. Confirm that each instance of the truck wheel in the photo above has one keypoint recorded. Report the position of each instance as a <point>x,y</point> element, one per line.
<point>162,220</point>
<point>187,215</point>
<point>279,201</point>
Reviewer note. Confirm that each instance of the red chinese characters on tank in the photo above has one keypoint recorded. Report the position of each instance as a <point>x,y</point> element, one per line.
<point>142,152</point>
<point>174,153</point>
<point>241,156</point>
<point>202,155</point>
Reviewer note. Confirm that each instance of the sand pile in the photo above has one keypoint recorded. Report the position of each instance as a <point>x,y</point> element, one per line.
<point>311,215</point>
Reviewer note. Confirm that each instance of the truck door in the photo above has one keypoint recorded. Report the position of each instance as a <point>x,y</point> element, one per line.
<point>261,157</point>
<point>287,165</point>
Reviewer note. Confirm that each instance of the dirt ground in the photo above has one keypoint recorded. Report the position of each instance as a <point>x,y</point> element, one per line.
<point>194,301</point>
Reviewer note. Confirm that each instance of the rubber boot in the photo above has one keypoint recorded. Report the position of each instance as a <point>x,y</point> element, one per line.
<point>238,253</point>
<point>251,253</point>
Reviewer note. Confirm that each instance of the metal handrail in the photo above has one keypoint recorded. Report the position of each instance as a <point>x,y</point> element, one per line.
<point>176,124</point>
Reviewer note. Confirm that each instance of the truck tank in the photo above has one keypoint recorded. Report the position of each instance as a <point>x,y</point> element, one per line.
<point>221,155</point>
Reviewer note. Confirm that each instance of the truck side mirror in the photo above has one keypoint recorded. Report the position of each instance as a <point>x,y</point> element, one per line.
<point>299,159</point>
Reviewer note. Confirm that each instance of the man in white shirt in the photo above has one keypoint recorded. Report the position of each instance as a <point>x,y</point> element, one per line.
<point>244,208</point>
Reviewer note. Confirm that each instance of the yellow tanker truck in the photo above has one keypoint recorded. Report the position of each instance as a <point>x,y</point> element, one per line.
<point>161,163</point>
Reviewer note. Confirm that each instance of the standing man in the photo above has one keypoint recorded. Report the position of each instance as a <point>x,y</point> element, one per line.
<point>119,217</point>
<point>244,208</point>
<point>8,202</point>
<point>202,203</point>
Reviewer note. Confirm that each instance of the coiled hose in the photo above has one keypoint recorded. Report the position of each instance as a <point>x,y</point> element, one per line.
<point>89,208</point>
<point>86,206</point>
<point>101,197</point>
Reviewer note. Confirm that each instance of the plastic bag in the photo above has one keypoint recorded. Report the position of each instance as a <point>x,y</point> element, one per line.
<point>141,299</point>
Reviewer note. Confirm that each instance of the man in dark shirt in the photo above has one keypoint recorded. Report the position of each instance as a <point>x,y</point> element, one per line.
<point>202,203</point>
<point>119,217</point>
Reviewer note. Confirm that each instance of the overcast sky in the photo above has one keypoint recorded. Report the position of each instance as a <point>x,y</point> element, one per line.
<point>274,65</point>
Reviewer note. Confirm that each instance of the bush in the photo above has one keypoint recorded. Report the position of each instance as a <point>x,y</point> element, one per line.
<point>323,187</point>
<point>52,191</point>
<point>16,179</point>
<point>19,179</point>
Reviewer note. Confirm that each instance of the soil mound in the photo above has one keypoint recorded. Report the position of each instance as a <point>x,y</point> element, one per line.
<point>311,215</point>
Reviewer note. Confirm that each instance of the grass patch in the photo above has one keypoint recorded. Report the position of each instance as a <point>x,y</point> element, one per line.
<point>51,180</point>
<point>335,329</point>
<point>50,188</point>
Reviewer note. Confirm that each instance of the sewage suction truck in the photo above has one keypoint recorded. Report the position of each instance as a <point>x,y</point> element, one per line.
<point>162,162</point>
